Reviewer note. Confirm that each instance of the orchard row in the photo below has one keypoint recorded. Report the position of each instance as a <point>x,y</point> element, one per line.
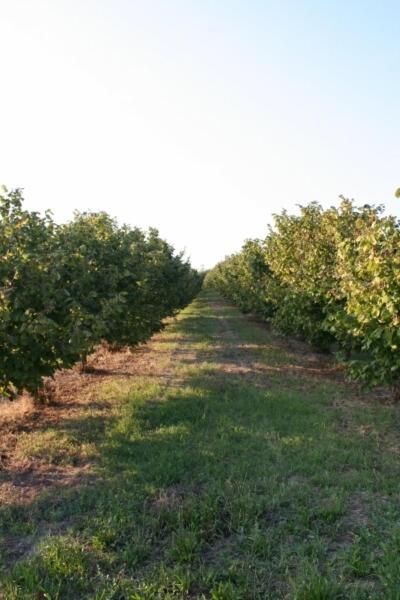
<point>64,289</point>
<point>331,277</point>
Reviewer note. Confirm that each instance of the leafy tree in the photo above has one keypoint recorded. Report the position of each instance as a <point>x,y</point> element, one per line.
<point>369,271</point>
<point>34,313</point>
<point>65,289</point>
<point>331,277</point>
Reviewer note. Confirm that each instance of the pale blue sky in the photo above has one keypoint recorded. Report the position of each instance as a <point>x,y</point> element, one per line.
<point>199,118</point>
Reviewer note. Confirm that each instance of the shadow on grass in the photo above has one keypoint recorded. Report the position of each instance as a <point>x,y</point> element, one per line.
<point>208,429</point>
<point>195,476</point>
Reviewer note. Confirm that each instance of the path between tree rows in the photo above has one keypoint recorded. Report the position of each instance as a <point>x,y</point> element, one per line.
<point>218,461</point>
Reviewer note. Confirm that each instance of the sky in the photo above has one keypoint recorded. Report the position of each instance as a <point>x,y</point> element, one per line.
<point>199,118</point>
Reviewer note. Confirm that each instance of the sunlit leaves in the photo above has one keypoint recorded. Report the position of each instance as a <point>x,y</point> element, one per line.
<point>65,289</point>
<point>331,277</point>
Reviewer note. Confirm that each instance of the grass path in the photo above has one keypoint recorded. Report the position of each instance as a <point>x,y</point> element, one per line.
<point>219,463</point>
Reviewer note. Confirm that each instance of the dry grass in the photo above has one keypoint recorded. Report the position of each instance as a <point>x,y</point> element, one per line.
<point>26,470</point>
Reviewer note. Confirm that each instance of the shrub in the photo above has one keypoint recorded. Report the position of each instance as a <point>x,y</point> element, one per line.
<point>65,289</point>
<point>331,277</point>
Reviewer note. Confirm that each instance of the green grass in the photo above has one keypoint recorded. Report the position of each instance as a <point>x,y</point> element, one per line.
<point>239,477</point>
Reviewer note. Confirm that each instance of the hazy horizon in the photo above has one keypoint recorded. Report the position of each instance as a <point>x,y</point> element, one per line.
<point>199,119</point>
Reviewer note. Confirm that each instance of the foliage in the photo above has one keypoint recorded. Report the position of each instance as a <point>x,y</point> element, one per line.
<point>34,312</point>
<point>65,289</point>
<point>300,252</point>
<point>369,270</point>
<point>244,278</point>
<point>331,277</point>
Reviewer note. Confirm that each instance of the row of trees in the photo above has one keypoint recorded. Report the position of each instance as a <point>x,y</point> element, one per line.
<point>331,277</point>
<point>64,289</point>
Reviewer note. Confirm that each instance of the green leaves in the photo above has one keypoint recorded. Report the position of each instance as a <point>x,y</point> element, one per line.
<point>243,278</point>
<point>64,289</point>
<point>368,266</point>
<point>331,277</point>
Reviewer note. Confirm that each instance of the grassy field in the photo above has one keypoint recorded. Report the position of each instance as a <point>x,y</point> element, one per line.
<point>228,464</point>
